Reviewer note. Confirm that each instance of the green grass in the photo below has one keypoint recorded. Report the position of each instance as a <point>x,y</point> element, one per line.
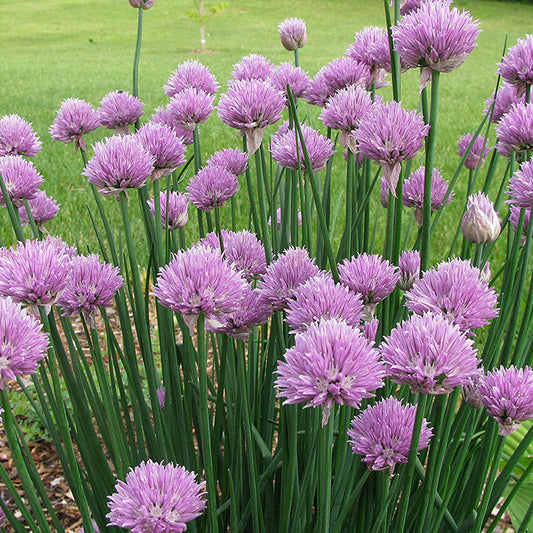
<point>84,48</point>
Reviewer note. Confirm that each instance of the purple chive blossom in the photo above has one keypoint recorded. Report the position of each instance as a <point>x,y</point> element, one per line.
<point>35,272</point>
<point>191,73</point>
<point>296,77</point>
<point>389,135</point>
<point>514,132</point>
<point>470,390</point>
<point>231,159</point>
<point>250,106</point>
<point>17,137</point>
<point>318,94</point>
<point>21,178</point>
<point>283,276</point>
<point>435,37</point>
<point>91,285</point>
<point>43,208</point>
<point>163,116</point>
<point>516,67</point>
<point>413,192</point>
<point>331,363</point>
<point>74,119</point>
<point>23,343</point>
<point>514,218</point>
<point>164,145</point>
<point>507,393</point>
<point>506,97</point>
<point>345,110</point>
<point>156,497</point>
<point>119,163</point>
<point>320,297</point>
<point>143,4</point>
<point>480,224</point>
<point>286,149</point>
<point>429,354</point>
<point>173,207</point>
<point>190,107</point>
<point>369,329</point>
<point>382,433</point>
<point>521,186</point>
<point>252,67</point>
<point>371,276</point>
<point>252,312</point>
<point>369,47</point>
<point>478,151</point>
<point>243,249</point>
<point>211,187</point>
<point>118,110</point>
<point>409,265</point>
<point>293,33</point>
<point>456,291</point>
<point>343,72</point>
<point>199,280</point>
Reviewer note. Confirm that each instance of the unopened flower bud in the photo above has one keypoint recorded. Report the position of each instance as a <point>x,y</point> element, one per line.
<point>293,33</point>
<point>409,265</point>
<point>480,224</point>
<point>144,4</point>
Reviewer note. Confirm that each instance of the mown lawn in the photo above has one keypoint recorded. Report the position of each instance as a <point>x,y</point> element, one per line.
<point>56,49</point>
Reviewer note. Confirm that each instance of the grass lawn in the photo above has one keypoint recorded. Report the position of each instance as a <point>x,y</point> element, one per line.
<point>84,48</point>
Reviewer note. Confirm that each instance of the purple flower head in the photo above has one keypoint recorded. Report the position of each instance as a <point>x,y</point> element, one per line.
<point>143,4</point>
<point>252,312</point>
<point>35,272</point>
<point>173,207</point>
<point>514,218</point>
<point>345,71</point>
<point>516,67</point>
<point>435,37</point>
<point>507,393</point>
<point>369,330</point>
<point>389,135</point>
<point>211,187</point>
<point>252,67</point>
<point>506,97</point>
<point>119,163</point>
<point>278,218</point>
<point>156,498</point>
<point>243,249</point>
<point>409,265</point>
<point>189,74</point>
<point>190,107</point>
<point>287,150</point>
<point>23,343</point>
<point>521,186</point>
<point>91,285</point>
<point>429,354</point>
<point>250,106</point>
<point>296,77</point>
<point>17,137</point>
<point>480,224</point>
<point>119,109</point>
<point>283,276</point>
<point>73,120</point>
<point>21,178</point>
<point>373,277</point>
<point>382,433</point>
<point>514,132</point>
<point>199,280</point>
<point>478,151</point>
<point>413,191</point>
<point>318,93</point>
<point>43,208</point>
<point>293,33</point>
<point>370,47</point>
<point>163,116</point>
<point>320,297</point>
<point>164,145</point>
<point>331,363</point>
<point>345,110</point>
<point>470,390</point>
<point>456,291</point>
<point>231,159</point>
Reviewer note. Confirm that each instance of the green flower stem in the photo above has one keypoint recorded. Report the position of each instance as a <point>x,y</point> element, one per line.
<point>325,461</point>
<point>262,188</point>
<point>289,419</point>
<point>136,59</point>
<point>253,207</point>
<point>13,213</point>
<point>205,428</point>
<point>430,153</point>
<point>296,58</point>
<point>395,58</point>
<point>350,196</point>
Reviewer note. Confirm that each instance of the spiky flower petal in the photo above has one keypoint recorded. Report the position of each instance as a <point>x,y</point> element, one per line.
<point>521,186</point>
<point>296,77</point>
<point>252,67</point>
<point>191,73</point>
<point>43,208</point>
<point>516,66</point>
<point>231,159</point>
<point>478,151</point>
<point>190,107</point>
<point>17,137</point>
<point>212,186</point>
<point>173,206</point>
<point>21,178</point>
<point>515,130</point>
<point>118,110</point>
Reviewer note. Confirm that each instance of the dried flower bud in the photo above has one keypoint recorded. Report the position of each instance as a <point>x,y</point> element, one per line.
<point>144,4</point>
<point>480,224</point>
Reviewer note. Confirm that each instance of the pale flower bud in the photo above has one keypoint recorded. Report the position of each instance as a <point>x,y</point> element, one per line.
<point>293,33</point>
<point>481,224</point>
<point>144,4</point>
